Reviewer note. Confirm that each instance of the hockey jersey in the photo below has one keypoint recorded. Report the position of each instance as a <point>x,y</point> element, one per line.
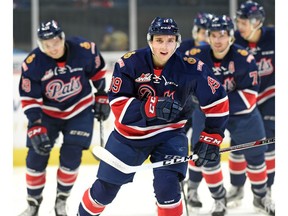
<point>264,53</point>
<point>186,45</point>
<point>237,73</point>
<point>134,79</point>
<point>61,89</point>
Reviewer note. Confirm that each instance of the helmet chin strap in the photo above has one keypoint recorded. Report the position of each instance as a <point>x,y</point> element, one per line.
<point>253,31</point>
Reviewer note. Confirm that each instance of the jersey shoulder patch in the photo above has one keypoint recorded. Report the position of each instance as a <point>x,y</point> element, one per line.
<point>242,52</point>
<point>85,45</point>
<point>194,51</point>
<point>128,54</point>
<point>189,60</point>
<point>30,58</point>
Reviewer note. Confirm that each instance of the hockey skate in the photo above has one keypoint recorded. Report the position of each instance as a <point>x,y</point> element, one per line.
<point>219,207</point>
<point>33,207</point>
<point>234,196</point>
<point>269,192</point>
<point>264,205</point>
<point>194,203</point>
<point>60,204</point>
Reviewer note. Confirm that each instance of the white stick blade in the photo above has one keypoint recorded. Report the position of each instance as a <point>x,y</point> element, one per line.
<point>110,159</point>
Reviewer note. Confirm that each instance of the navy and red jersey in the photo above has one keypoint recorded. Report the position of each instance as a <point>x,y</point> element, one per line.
<point>186,44</point>
<point>61,89</point>
<point>264,53</point>
<point>134,79</point>
<point>237,72</point>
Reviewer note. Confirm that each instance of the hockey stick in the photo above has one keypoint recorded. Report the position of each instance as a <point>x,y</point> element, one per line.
<point>101,133</point>
<point>185,197</point>
<point>110,159</point>
<point>101,138</point>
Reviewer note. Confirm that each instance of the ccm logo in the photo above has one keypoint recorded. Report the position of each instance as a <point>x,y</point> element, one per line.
<point>34,132</point>
<point>210,140</point>
<point>102,100</point>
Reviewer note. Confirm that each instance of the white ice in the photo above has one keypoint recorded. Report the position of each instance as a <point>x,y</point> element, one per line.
<point>134,199</point>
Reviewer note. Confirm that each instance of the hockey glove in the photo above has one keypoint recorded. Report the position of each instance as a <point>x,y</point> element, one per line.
<point>207,148</point>
<point>40,141</point>
<point>164,108</point>
<point>101,106</point>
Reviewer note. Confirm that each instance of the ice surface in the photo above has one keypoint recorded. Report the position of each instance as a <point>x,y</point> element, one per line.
<point>134,199</point>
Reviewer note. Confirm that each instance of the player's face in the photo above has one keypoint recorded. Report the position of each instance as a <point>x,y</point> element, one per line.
<point>201,35</point>
<point>244,26</point>
<point>54,47</point>
<point>219,40</point>
<point>163,47</point>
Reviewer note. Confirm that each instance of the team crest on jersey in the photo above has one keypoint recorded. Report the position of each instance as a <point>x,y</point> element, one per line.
<point>59,91</point>
<point>242,52</point>
<point>169,94</point>
<point>30,58</point>
<point>190,60</point>
<point>128,55</point>
<point>144,78</point>
<point>194,51</point>
<point>265,67</point>
<point>144,91</point>
<point>229,84</point>
<point>85,45</point>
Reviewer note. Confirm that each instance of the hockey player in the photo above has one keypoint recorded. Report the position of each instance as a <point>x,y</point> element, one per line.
<point>198,34</point>
<point>236,69</point>
<point>200,24</point>
<point>150,96</point>
<point>57,97</point>
<point>261,42</point>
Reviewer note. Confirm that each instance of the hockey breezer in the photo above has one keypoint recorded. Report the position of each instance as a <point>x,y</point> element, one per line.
<point>110,159</point>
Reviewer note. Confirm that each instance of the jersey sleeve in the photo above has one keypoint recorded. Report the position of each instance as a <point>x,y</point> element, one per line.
<point>212,98</point>
<point>244,98</point>
<point>30,90</point>
<point>124,105</point>
<point>96,69</point>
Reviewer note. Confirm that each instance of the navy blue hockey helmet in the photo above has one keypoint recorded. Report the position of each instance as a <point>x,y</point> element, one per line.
<point>48,30</point>
<point>222,23</point>
<point>252,11</point>
<point>202,20</point>
<point>163,26</point>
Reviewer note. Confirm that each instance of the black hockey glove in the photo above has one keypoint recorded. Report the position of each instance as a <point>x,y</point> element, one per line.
<point>164,108</point>
<point>40,141</point>
<point>207,148</point>
<point>101,106</point>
